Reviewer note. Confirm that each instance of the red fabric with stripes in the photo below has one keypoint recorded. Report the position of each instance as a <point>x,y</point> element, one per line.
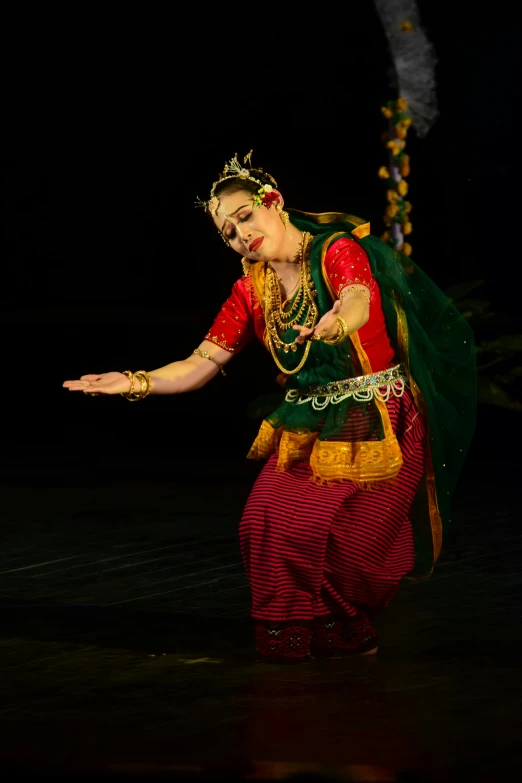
<point>313,551</point>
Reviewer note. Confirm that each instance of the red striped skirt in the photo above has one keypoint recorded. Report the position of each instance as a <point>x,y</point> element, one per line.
<point>313,551</point>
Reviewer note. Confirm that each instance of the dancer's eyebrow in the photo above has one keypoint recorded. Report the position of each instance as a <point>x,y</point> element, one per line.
<point>232,214</point>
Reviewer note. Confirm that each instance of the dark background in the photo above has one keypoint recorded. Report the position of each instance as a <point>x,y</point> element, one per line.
<point>120,556</point>
<point>116,125</point>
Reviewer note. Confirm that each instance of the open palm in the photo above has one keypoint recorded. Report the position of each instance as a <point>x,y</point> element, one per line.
<point>104,383</point>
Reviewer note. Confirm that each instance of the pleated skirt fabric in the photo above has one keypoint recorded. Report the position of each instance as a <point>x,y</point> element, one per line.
<point>314,551</point>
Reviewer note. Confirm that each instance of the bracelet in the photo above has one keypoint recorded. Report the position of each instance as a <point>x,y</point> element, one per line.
<point>205,355</point>
<point>342,333</point>
<point>145,382</point>
<point>356,291</point>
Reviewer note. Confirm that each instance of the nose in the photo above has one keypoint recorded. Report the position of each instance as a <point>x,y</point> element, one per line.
<point>244,232</point>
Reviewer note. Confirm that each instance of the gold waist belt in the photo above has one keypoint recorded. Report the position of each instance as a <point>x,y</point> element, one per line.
<point>363,389</point>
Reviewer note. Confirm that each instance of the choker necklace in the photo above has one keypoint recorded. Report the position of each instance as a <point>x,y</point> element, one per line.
<point>303,310</point>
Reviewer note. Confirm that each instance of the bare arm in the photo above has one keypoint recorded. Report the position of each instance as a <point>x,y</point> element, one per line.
<point>191,373</point>
<point>183,376</point>
<point>355,307</point>
<point>233,327</point>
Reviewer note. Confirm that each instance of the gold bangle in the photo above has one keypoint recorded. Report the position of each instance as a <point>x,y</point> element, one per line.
<point>342,333</point>
<point>145,382</point>
<point>205,355</point>
<point>128,395</point>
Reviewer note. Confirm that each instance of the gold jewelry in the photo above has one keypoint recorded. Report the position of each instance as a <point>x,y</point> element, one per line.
<point>285,217</point>
<point>234,169</point>
<point>317,336</point>
<point>205,355</point>
<point>145,382</point>
<point>356,291</point>
<point>129,394</point>
<point>303,310</point>
<point>342,333</point>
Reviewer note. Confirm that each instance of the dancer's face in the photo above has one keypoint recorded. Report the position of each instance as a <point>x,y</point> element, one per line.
<point>254,232</point>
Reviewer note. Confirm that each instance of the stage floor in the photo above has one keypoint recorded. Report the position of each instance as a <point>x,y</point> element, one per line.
<point>126,648</point>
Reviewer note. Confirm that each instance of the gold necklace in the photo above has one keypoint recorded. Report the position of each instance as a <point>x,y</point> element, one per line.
<point>303,308</point>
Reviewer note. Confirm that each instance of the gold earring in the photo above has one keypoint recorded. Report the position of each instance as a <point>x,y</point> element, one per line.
<point>285,217</point>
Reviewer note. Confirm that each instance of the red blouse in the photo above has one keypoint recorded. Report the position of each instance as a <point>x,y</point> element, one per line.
<point>241,317</point>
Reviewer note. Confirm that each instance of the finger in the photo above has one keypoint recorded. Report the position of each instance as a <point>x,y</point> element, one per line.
<point>304,335</point>
<point>302,338</point>
<point>84,390</point>
<point>95,390</point>
<point>76,382</point>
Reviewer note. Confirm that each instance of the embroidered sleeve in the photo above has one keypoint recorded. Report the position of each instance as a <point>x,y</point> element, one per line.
<point>233,327</point>
<point>346,263</point>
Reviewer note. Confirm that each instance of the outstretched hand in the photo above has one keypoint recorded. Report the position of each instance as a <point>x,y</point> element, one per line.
<point>327,327</point>
<point>106,383</point>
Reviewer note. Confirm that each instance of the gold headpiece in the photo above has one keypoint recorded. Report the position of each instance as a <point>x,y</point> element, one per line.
<point>232,170</point>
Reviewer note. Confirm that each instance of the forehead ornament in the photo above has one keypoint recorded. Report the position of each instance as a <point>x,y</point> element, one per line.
<point>231,170</point>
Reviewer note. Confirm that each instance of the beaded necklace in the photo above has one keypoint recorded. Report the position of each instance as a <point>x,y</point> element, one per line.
<point>303,310</point>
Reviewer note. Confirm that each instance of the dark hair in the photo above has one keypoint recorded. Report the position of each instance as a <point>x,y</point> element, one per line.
<point>235,184</point>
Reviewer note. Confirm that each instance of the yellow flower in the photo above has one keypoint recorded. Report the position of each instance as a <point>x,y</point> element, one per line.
<point>386,236</point>
<point>401,104</point>
<point>406,249</point>
<point>407,228</point>
<point>406,26</point>
<point>401,132</point>
<point>392,196</point>
<point>394,147</point>
<point>402,187</point>
<point>404,169</point>
<point>387,112</point>
<point>407,207</point>
<point>406,122</point>
<point>391,210</point>
<point>383,173</point>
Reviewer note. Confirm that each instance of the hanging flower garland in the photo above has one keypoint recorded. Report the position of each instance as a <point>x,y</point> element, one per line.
<point>396,216</point>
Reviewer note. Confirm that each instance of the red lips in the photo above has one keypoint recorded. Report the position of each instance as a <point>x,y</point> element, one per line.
<point>255,245</point>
